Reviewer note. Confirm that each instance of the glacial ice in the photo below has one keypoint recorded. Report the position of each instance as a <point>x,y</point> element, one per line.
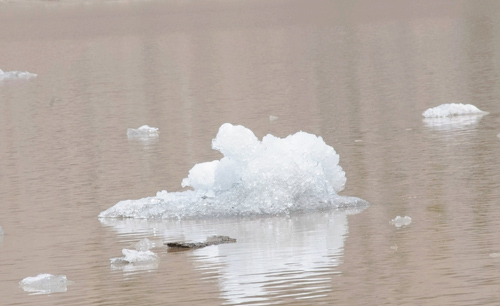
<point>401,221</point>
<point>45,283</point>
<point>144,245</point>
<point>134,257</point>
<point>271,176</point>
<point>452,109</point>
<point>144,131</point>
<point>13,75</point>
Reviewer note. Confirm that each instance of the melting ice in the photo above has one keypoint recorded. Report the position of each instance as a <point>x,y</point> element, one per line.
<point>134,256</point>
<point>45,283</point>
<point>401,221</point>
<point>12,75</point>
<point>268,177</point>
<point>452,109</point>
<point>139,259</point>
<point>453,116</point>
<point>143,131</point>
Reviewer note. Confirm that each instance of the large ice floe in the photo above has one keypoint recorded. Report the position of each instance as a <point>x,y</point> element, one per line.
<point>13,75</point>
<point>453,115</point>
<point>45,283</point>
<point>273,176</point>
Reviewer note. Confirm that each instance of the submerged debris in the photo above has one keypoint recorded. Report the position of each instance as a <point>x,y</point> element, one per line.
<point>211,240</point>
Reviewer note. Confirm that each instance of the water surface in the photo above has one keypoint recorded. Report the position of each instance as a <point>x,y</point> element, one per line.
<point>359,74</point>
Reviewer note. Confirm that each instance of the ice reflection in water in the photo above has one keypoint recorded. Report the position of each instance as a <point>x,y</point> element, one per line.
<point>274,257</point>
<point>453,123</point>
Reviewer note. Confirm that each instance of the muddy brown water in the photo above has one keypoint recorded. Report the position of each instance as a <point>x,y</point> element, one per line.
<point>357,73</point>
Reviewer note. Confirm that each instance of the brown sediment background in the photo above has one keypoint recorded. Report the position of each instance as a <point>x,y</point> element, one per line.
<point>357,73</point>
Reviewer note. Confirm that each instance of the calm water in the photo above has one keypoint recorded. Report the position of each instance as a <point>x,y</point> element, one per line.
<point>359,74</point>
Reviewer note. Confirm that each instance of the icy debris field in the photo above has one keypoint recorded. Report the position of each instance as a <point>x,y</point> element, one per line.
<point>401,221</point>
<point>452,109</point>
<point>272,176</point>
<point>143,131</point>
<point>13,75</point>
<point>45,284</point>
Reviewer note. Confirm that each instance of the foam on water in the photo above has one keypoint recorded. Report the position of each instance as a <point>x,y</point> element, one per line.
<point>452,109</point>
<point>13,75</point>
<point>268,177</point>
<point>45,283</point>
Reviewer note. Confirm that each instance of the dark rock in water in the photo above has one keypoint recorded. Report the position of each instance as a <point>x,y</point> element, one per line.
<point>212,240</point>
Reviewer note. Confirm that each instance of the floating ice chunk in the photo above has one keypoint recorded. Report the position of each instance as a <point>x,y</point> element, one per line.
<point>135,257</point>
<point>143,131</point>
<point>13,75</point>
<point>272,118</point>
<point>498,135</point>
<point>1,235</point>
<point>452,109</point>
<point>401,221</point>
<point>201,176</point>
<point>45,283</point>
<point>237,143</point>
<point>144,245</point>
<point>269,177</point>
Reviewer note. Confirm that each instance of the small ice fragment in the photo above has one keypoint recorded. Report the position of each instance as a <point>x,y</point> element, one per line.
<point>45,283</point>
<point>134,257</point>
<point>143,131</point>
<point>498,135</point>
<point>452,109</point>
<point>12,75</point>
<point>401,221</point>
<point>272,118</point>
<point>144,245</point>
<point>358,140</point>
<point>394,247</point>
<point>495,255</point>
